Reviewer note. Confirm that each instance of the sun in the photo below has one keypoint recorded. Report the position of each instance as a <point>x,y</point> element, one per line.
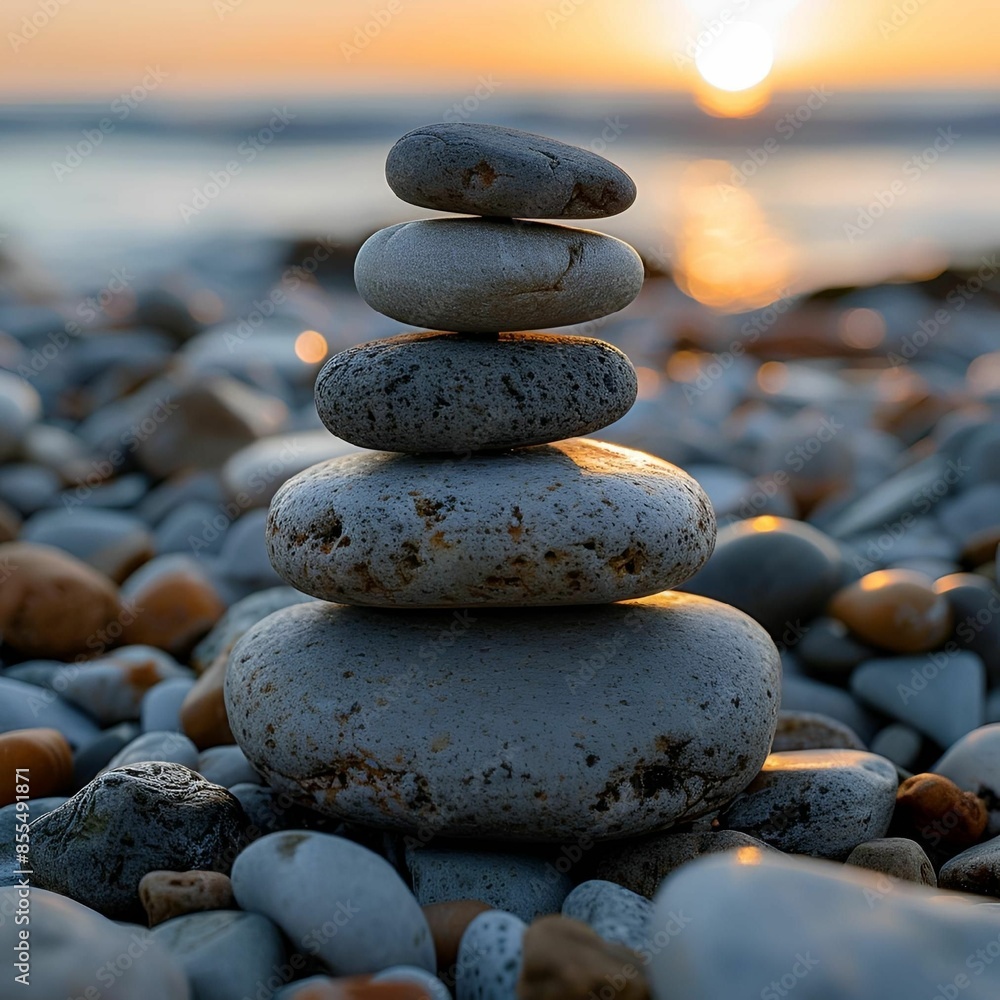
<point>739,58</point>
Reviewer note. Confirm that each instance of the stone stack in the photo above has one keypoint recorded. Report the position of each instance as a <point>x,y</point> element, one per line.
<point>494,652</point>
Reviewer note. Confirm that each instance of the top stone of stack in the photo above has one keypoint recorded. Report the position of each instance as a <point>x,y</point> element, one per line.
<point>478,169</point>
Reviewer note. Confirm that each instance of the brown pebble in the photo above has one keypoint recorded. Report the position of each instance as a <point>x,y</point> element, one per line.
<point>357,988</point>
<point>448,922</point>
<point>895,609</point>
<point>10,523</point>
<point>171,894</point>
<point>934,811</point>
<point>54,605</point>
<point>981,547</point>
<point>203,712</point>
<point>45,754</point>
<point>565,960</point>
<point>175,605</point>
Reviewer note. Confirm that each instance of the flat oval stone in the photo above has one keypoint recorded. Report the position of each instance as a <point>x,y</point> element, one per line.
<point>481,169</point>
<point>612,720</point>
<point>452,392</point>
<point>579,522</point>
<point>484,275</point>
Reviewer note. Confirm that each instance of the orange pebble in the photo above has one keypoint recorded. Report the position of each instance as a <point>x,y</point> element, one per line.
<point>43,753</point>
<point>895,609</point>
<point>203,713</point>
<point>448,922</point>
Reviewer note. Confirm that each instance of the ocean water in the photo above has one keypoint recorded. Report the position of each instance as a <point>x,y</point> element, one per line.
<point>816,190</point>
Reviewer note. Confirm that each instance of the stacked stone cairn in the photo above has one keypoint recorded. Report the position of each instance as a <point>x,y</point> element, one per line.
<point>495,651</point>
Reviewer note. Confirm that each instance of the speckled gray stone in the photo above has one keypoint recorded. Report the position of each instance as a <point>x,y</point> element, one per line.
<point>617,914</point>
<point>521,884</point>
<point>480,169</point>
<point>818,802</point>
<point>974,870</point>
<point>896,857</point>
<point>335,900</point>
<point>162,745</point>
<point>226,954</point>
<point>489,957</point>
<point>578,522</point>
<point>484,275</point>
<point>452,392</point>
<point>96,847</point>
<point>611,720</point>
<point>812,731</point>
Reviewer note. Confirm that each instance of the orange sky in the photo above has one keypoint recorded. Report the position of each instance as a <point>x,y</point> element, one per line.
<point>95,48</point>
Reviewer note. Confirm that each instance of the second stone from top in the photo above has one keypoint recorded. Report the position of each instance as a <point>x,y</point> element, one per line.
<point>481,169</point>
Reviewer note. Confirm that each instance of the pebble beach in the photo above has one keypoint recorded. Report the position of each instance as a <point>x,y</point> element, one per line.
<point>471,613</point>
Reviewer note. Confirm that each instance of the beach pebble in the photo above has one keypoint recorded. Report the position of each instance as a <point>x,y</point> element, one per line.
<point>973,763</point>
<point>28,488</point>
<point>485,275</point>
<point>21,406</point>
<point>243,562</point>
<point>226,766</point>
<point>179,604</point>
<point>579,522</point>
<point>489,957</point>
<point>225,954</point>
<point>609,720</point>
<point>520,884</point>
<point>976,869</point>
<point>780,572</point>
<point>448,922</point>
<point>271,811</point>
<point>642,863</point>
<point>829,652</point>
<point>111,688</point>
<point>165,894</point>
<point>812,731</point>
<point>896,857</point>
<point>89,761</point>
<point>254,474</point>
<point>934,811</point>
<point>71,946</point>
<point>818,802</point>
<point>96,847</point>
<point>340,901</point>
<point>164,745</point>
<point>565,958</point>
<point>432,987</point>
<point>899,743</point>
<point>161,705</point>
<point>803,694</point>
<point>943,696</point>
<point>451,392</point>
<point>54,605</point>
<point>894,609</point>
<point>114,543</point>
<point>203,712</point>
<point>44,754</point>
<point>617,914</point>
<point>796,924</point>
<point>26,706</point>
<point>975,607</point>
<point>479,169</point>
<point>10,523</point>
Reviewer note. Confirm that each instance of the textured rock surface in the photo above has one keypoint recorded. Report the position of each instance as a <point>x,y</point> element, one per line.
<point>611,721</point>
<point>450,392</point>
<point>580,522</point>
<point>485,275</point>
<point>818,802</point>
<point>481,169</point>
<point>97,846</point>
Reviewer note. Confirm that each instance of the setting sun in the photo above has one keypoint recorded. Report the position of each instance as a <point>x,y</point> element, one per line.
<point>740,58</point>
